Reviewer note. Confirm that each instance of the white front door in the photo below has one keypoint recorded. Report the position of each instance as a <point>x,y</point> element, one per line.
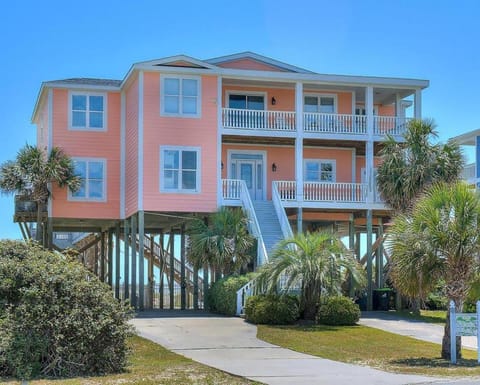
<point>249,168</point>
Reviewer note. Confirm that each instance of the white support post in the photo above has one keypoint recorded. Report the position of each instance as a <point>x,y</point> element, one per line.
<point>399,115</point>
<point>369,164</point>
<point>418,104</point>
<point>218,163</point>
<point>299,148</point>
<point>453,334</point>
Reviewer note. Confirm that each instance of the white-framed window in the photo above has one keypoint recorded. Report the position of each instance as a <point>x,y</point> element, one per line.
<point>92,173</point>
<point>87,111</point>
<point>325,104</point>
<point>180,96</point>
<point>320,170</point>
<point>180,169</point>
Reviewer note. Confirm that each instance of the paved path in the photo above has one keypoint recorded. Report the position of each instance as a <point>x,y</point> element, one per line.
<point>412,328</point>
<point>230,344</point>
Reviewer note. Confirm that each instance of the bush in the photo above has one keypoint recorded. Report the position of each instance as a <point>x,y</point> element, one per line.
<point>56,318</point>
<point>222,296</point>
<point>339,311</point>
<point>272,309</point>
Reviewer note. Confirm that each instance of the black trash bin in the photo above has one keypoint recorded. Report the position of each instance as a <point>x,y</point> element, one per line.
<point>382,299</point>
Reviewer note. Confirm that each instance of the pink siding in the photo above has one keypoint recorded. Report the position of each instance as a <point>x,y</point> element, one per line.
<point>250,64</point>
<point>42,124</point>
<point>171,131</point>
<point>131,153</point>
<point>88,144</point>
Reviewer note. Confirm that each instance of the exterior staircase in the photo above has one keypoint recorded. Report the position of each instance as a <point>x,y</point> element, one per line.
<point>269,224</point>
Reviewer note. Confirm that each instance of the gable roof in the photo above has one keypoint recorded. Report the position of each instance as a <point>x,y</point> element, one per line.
<point>177,61</point>
<point>258,58</point>
<point>85,82</point>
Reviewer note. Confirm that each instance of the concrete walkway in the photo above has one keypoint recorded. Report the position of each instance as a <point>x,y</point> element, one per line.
<point>412,328</point>
<point>230,344</point>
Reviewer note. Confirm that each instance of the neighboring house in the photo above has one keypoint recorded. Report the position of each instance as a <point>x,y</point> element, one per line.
<point>179,137</point>
<point>471,171</point>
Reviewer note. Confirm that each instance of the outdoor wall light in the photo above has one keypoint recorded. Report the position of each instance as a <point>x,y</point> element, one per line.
<point>274,167</point>
<point>221,165</point>
<point>274,101</point>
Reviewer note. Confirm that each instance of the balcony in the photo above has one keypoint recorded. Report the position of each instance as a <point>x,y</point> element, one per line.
<point>314,123</point>
<point>26,210</point>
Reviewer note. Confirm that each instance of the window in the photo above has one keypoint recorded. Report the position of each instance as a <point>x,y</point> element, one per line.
<point>87,111</point>
<point>180,96</point>
<point>318,170</point>
<point>92,180</point>
<point>321,104</point>
<point>246,102</point>
<point>180,170</point>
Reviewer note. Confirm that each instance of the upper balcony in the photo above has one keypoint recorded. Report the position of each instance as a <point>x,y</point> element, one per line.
<point>284,123</point>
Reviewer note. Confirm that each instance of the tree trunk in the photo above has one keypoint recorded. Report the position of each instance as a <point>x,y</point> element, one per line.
<point>446,341</point>
<point>39,232</point>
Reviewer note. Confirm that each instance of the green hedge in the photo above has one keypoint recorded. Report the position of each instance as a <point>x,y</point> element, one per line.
<point>56,318</point>
<point>222,296</point>
<point>272,309</point>
<point>338,311</point>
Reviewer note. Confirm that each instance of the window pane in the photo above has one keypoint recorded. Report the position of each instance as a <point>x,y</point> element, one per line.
<point>312,166</point>
<point>189,105</point>
<point>171,179</point>
<point>259,176</point>
<point>96,119</point>
<point>170,159</point>
<point>79,102</point>
<point>246,174</point>
<point>80,168</point>
<point>172,86</point>
<point>189,87</point>
<point>95,170</point>
<point>237,101</point>
<point>79,119</point>
<point>189,160</point>
<point>255,102</point>
<point>95,189</point>
<point>171,104</point>
<point>189,180</point>
<point>96,103</point>
<point>80,193</point>
<point>327,167</point>
<point>327,105</point>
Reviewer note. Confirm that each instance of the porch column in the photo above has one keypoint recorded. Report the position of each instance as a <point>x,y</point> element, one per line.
<point>351,246</point>
<point>299,152</point>
<point>133,295</point>
<point>183,280</point>
<point>369,164</point>
<point>141,259</point>
<point>110,257</point>
<point>218,163</point>
<point>171,281</point>
<point>117,260</point>
<point>417,104</point>
<point>126,258</point>
<point>369,261</point>
<point>380,254</point>
<point>477,160</point>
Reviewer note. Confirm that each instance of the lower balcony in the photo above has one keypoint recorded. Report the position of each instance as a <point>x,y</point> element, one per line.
<point>26,210</point>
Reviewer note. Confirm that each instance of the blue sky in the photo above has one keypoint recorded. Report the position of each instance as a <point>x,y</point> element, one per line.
<point>47,40</point>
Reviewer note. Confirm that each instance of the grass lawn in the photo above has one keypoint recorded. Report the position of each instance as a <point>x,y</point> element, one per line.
<point>151,364</point>
<point>432,316</point>
<point>368,346</point>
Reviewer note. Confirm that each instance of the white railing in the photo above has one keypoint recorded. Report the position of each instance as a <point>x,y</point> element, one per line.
<point>335,192</point>
<point>468,172</point>
<point>254,227</point>
<point>242,294</point>
<point>335,123</point>
<point>258,119</point>
<point>391,125</point>
<point>282,216</point>
<point>286,189</point>
<point>231,189</point>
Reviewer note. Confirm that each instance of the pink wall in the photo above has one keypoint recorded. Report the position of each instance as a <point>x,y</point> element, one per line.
<point>131,153</point>
<point>88,144</point>
<point>197,132</point>
<point>249,64</point>
<point>42,125</point>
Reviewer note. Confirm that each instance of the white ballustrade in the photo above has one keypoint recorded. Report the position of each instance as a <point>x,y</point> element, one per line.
<point>391,125</point>
<point>258,119</point>
<point>323,191</point>
<point>335,123</point>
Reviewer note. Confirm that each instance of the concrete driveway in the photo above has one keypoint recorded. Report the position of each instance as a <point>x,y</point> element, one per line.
<point>230,344</point>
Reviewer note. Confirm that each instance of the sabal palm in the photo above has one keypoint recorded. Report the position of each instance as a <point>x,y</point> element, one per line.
<point>222,242</point>
<point>32,172</point>
<point>438,239</point>
<point>408,167</point>
<point>315,262</point>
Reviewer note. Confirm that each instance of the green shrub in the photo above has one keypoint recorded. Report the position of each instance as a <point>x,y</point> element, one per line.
<point>222,296</point>
<point>56,318</point>
<point>272,309</point>
<point>338,311</point>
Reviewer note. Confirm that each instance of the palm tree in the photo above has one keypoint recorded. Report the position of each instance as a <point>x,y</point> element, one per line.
<point>410,166</point>
<point>33,172</point>
<point>439,239</point>
<point>317,263</point>
<point>222,241</point>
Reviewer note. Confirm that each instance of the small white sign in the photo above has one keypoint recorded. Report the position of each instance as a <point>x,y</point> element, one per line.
<point>463,324</point>
<point>466,324</point>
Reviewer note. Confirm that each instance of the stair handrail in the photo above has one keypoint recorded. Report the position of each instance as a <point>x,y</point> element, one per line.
<point>243,293</point>
<point>253,226</point>
<point>282,216</point>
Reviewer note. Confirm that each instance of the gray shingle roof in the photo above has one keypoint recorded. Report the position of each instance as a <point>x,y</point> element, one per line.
<point>88,82</point>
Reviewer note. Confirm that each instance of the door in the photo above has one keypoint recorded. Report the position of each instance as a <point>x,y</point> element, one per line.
<point>249,169</point>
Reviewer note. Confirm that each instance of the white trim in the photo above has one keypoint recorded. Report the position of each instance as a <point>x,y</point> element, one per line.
<point>354,101</point>
<point>247,93</point>
<point>180,114</point>
<point>86,198</point>
<point>263,153</point>
<point>122,153</point>
<point>171,59</point>
<point>140,142</point>
<point>82,87</point>
<point>50,140</point>
<point>333,162</point>
<point>87,94</point>
<point>219,142</point>
<point>321,95</point>
<point>198,187</point>
<point>354,165</point>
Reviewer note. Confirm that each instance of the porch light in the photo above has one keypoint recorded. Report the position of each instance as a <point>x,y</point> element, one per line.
<point>221,165</point>
<point>274,101</point>
<point>274,167</point>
